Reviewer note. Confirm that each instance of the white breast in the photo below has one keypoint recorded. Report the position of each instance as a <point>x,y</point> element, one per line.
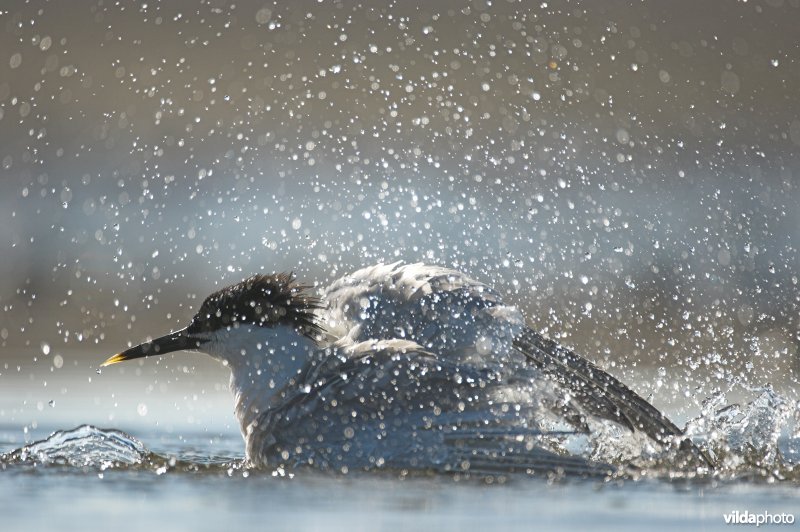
<point>264,362</point>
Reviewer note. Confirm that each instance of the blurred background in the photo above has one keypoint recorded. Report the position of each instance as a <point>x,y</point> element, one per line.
<point>625,172</point>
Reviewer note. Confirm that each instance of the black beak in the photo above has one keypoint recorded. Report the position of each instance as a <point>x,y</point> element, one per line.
<point>168,343</point>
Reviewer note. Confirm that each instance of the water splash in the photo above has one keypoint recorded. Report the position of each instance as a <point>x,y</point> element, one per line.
<point>753,439</point>
<point>89,447</point>
<point>84,446</point>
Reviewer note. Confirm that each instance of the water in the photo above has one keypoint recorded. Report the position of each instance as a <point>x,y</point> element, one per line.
<point>187,476</point>
<point>217,494</point>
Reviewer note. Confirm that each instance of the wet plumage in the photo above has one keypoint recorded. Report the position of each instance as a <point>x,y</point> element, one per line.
<point>405,366</point>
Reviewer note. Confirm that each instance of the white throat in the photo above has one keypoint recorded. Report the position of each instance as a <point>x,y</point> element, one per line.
<point>263,362</point>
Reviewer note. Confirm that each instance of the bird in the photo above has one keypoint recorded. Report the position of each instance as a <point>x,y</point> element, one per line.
<point>406,366</point>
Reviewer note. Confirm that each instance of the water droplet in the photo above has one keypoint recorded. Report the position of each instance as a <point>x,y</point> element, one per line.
<point>263,15</point>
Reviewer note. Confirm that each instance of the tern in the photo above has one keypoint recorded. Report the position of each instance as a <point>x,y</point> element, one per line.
<point>405,366</point>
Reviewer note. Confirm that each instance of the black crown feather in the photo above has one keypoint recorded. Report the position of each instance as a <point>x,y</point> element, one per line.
<point>262,300</point>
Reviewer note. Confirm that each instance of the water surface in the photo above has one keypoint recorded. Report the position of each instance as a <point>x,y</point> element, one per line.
<point>167,470</point>
<point>210,499</point>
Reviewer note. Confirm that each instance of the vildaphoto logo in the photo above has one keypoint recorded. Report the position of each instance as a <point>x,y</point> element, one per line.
<point>764,518</point>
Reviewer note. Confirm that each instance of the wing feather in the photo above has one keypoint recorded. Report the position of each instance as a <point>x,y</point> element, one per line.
<point>600,393</point>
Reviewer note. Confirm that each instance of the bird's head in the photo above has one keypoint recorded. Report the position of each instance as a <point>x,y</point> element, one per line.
<point>241,322</point>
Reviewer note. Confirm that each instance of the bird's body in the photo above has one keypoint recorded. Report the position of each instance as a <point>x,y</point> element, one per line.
<point>404,366</point>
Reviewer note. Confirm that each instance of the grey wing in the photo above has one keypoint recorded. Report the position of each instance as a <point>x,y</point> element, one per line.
<point>376,379</point>
<point>442,310</point>
<point>599,393</point>
<point>396,401</point>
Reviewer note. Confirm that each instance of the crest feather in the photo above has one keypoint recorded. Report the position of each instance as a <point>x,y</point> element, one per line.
<point>263,300</point>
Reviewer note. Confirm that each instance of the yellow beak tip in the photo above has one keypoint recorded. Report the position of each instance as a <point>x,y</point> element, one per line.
<point>119,357</point>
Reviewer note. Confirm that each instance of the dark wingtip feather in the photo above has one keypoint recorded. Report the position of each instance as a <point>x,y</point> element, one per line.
<point>599,393</point>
